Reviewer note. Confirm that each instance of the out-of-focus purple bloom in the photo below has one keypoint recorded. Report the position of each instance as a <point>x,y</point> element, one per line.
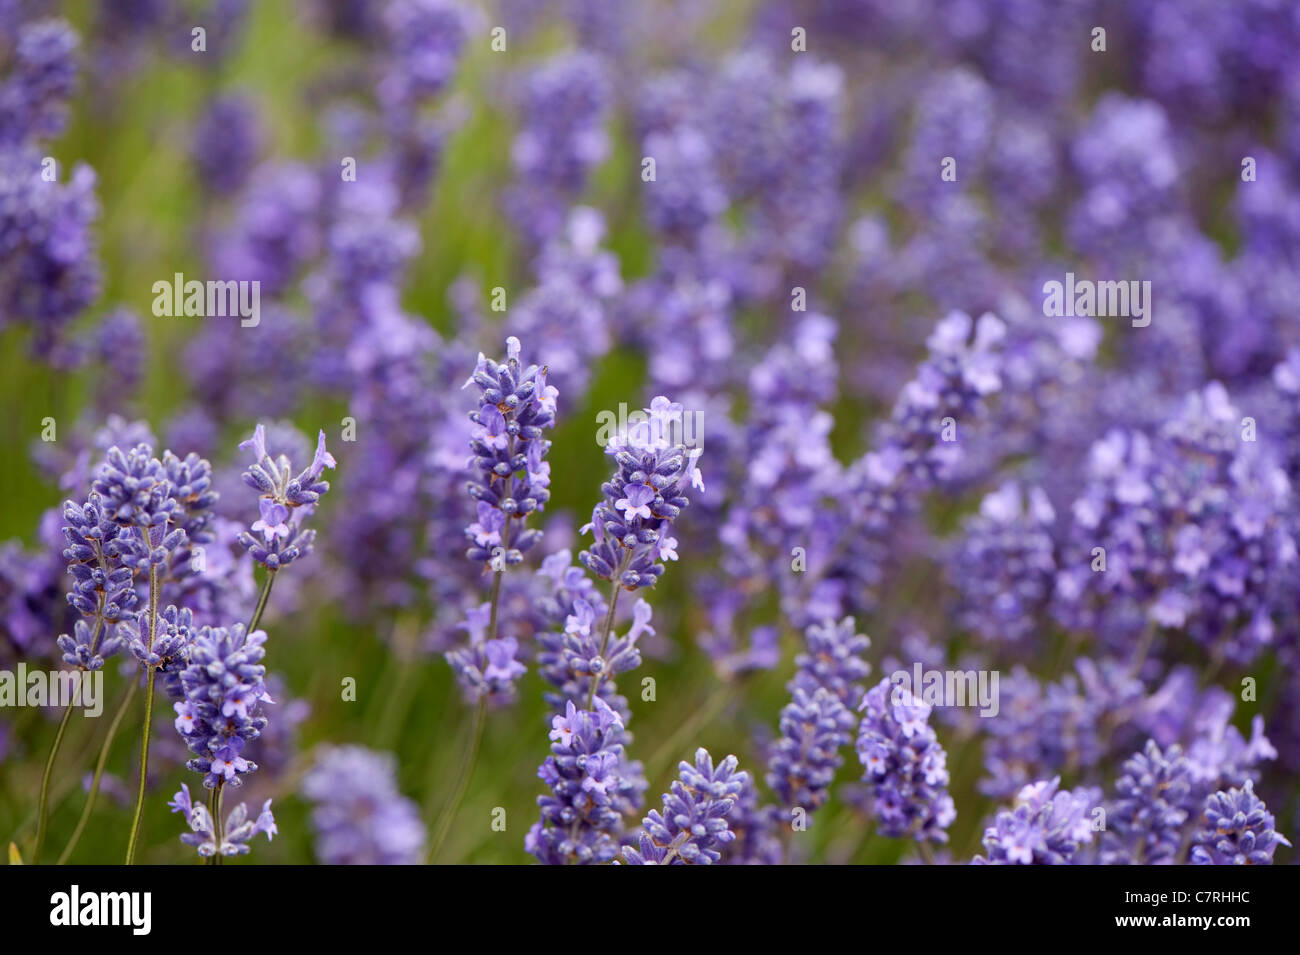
<point>34,98</point>
<point>424,42</point>
<point>48,268</point>
<point>360,817</point>
<point>1194,533</point>
<point>227,140</point>
<point>563,103</point>
<point>1004,564</point>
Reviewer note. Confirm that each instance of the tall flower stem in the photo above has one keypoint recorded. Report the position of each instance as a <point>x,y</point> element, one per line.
<point>261,601</point>
<point>99,771</point>
<point>42,813</point>
<point>462,781</point>
<point>214,810</point>
<point>615,590</point>
<point>148,718</point>
<point>476,728</point>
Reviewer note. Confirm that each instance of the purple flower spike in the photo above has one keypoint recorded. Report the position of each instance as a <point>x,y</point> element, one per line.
<point>645,495</point>
<point>1046,827</point>
<point>278,537</point>
<point>694,823</point>
<point>512,478</point>
<point>904,766</point>
<point>235,836</point>
<point>1238,830</point>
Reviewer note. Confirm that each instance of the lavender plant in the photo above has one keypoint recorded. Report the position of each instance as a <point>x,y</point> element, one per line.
<point>759,214</point>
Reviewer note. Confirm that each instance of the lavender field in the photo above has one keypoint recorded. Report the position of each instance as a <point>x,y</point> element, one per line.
<point>670,432</point>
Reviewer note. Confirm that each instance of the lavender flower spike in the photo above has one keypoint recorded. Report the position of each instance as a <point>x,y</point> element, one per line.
<point>592,788</point>
<point>235,837</point>
<point>220,713</point>
<point>1238,830</point>
<point>486,669</point>
<point>905,765</point>
<point>1047,827</point>
<point>803,762</point>
<point>642,499</point>
<point>515,407</point>
<point>694,821</point>
<point>278,538</point>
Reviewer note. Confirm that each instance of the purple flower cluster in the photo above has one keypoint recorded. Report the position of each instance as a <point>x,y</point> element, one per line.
<point>1047,827</point>
<point>1238,830</point>
<point>694,823</point>
<point>818,721</point>
<point>359,815</point>
<point>278,537</point>
<point>1194,533</point>
<point>642,499</point>
<point>1004,564</point>
<point>801,765</point>
<point>515,407</point>
<point>48,269</point>
<point>103,581</point>
<point>563,105</point>
<point>486,668</point>
<point>1145,822</point>
<point>221,710</point>
<point>580,662</point>
<point>237,833</point>
<point>919,445</point>
<point>905,766</point>
<point>34,98</point>
<point>592,788</point>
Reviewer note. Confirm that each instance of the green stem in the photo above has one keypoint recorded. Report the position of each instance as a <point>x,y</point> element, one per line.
<point>144,769</point>
<point>43,812</point>
<point>99,771</point>
<point>261,601</point>
<point>214,810</point>
<point>658,763</point>
<point>148,717</point>
<point>615,590</point>
<point>462,782</point>
<point>1143,648</point>
<point>476,729</point>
